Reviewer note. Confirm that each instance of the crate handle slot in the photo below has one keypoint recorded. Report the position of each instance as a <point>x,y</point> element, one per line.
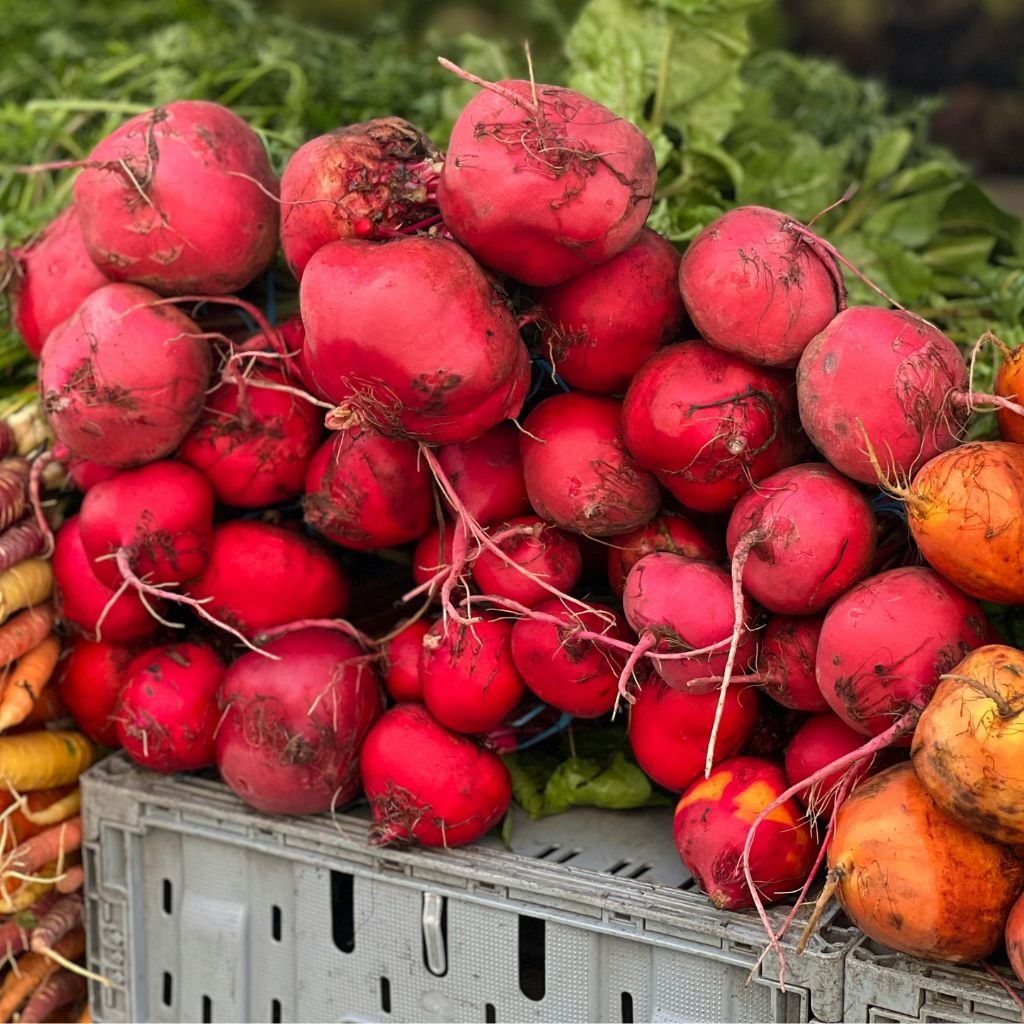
<point>435,944</point>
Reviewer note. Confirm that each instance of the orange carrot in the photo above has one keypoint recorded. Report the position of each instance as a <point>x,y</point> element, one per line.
<point>51,844</point>
<point>49,708</point>
<point>26,630</point>
<point>33,970</point>
<point>85,1017</point>
<point>31,675</point>
<point>73,880</point>
<point>37,810</point>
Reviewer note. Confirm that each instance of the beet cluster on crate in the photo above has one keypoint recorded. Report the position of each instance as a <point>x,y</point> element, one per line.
<point>588,473</point>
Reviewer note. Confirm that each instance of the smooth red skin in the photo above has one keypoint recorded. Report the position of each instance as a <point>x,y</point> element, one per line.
<point>253,577</point>
<point>821,538</point>
<point>206,227</point>
<point>84,474</point>
<point>487,474</point>
<point>428,785</point>
<point>688,402</point>
<point>669,731</point>
<point>154,373</point>
<point>366,491</point>
<point>553,555</point>
<point>539,226</point>
<point>887,640</point>
<point>602,325</point>
<point>90,679</point>
<point>682,599</point>
<point>1015,938</point>
<point>357,181</point>
<point>402,662</point>
<point>427,557</point>
<point>710,835</point>
<point>667,531</point>
<point>417,322</point>
<point>786,650</point>
<point>470,683</point>
<point>260,458</point>
<point>54,276</point>
<point>166,715</point>
<point>291,730</point>
<point>161,514</point>
<point>579,677</point>
<point>81,597</point>
<point>821,740</point>
<point>890,373</point>
<point>578,474</point>
<point>755,288</point>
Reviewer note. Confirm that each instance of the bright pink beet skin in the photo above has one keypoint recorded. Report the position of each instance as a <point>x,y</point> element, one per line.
<point>123,380</point>
<point>86,604</point>
<point>160,515</point>
<point>252,578</point>
<point>254,446</point>
<point>166,715</point>
<point>401,665</point>
<point>292,729</point>
<point>578,474</point>
<point>84,474</point>
<point>550,554</point>
<point>366,491</point>
<point>469,680</point>
<point>600,326</point>
<point>360,181</point>
<point>713,818</point>
<point>433,553</point>
<point>886,374</point>
<point>669,731</point>
<point>293,334</point>
<point>427,785</point>
<point>759,285</point>
<point>821,740</point>
<point>710,424</point>
<point>579,677</point>
<point>184,200</point>
<point>786,653</point>
<point>821,538</point>
<point>667,531</point>
<point>53,276</point>
<point>487,474</point>
<point>887,640</point>
<point>544,190</point>
<point>90,679</point>
<point>412,335</point>
<point>687,605</point>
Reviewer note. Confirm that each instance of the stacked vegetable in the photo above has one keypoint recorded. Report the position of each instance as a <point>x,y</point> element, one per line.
<point>691,511</point>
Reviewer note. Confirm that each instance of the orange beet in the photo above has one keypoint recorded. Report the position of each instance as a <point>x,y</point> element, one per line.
<point>1015,938</point>
<point>969,743</point>
<point>914,879</point>
<point>1010,384</point>
<point>712,819</point>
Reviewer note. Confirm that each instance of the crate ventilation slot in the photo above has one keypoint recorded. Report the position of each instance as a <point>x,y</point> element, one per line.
<point>343,918</point>
<point>532,957</point>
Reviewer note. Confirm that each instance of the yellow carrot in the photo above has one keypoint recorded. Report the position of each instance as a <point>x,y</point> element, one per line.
<point>27,893</point>
<point>25,631</point>
<point>44,759</point>
<point>52,814</point>
<point>24,586</point>
<point>30,676</point>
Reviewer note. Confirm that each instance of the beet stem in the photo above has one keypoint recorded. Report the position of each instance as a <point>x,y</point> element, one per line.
<point>39,464</point>
<point>646,642</point>
<point>499,90</point>
<point>341,625</point>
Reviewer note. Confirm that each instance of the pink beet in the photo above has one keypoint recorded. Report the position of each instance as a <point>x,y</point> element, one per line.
<point>786,655</point>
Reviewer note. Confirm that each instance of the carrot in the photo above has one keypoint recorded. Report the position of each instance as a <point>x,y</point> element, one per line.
<point>48,709</point>
<point>85,1017</point>
<point>31,675</point>
<point>36,811</point>
<point>44,759</point>
<point>60,989</point>
<point>22,541</point>
<point>26,630</point>
<point>15,931</point>
<point>28,894</point>
<point>24,586</point>
<point>71,881</point>
<point>33,969</point>
<point>14,474</point>
<point>54,843</point>
<point>60,918</point>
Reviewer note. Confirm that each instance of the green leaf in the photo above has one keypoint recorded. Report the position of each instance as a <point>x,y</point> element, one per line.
<point>911,220</point>
<point>969,208</point>
<point>888,151</point>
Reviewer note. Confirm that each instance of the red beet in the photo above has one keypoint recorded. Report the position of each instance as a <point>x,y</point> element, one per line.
<point>401,665</point>
<point>90,680</point>
<point>786,653</point>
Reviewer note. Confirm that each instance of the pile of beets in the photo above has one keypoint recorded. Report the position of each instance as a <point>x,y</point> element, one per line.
<point>595,471</point>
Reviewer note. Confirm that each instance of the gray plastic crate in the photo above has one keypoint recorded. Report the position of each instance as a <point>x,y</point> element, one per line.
<point>890,988</point>
<point>199,908</point>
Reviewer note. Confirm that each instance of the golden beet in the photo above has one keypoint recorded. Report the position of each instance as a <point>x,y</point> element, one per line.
<point>968,746</point>
<point>966,513</point>
<point>914,879</point>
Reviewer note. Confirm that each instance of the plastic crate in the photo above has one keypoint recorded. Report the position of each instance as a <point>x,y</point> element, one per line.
<point>199,908</point>
<point>890,988</point>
